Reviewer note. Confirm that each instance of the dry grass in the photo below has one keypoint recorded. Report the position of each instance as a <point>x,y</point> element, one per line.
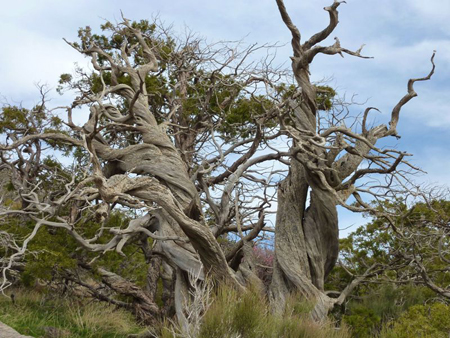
<point>236,315</point>
<point>35,311</point>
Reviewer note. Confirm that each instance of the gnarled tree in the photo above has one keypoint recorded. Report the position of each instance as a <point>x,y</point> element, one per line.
<point>187,136</point>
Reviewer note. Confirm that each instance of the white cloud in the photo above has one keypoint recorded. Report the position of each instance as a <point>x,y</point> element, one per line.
<point>31,58</point>
<point>436,13</point>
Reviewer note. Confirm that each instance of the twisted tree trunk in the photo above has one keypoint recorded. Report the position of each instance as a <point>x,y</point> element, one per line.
<point>306,237</point>
<point>306,242</point>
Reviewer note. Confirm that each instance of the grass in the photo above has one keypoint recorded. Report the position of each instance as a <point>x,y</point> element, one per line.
<point>34,311</point>
<point>231,315</point>
<point>247,315</point>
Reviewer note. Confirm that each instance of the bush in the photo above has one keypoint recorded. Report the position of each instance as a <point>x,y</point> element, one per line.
<point>421,321</point>
<point>379,306</point>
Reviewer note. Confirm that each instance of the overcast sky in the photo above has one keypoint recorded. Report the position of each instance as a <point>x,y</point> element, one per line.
<point>400,34</point>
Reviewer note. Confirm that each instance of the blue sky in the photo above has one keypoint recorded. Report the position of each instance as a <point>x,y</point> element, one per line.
<point>400,34</point>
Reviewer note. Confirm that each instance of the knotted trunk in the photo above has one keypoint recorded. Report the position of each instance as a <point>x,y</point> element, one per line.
<point>306,242</point>
<point>306,236</point>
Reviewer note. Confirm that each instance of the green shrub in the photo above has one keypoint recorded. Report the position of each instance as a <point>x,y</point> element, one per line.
<point>363,321</point>
<point>421,321</point>
<point>376,307</point>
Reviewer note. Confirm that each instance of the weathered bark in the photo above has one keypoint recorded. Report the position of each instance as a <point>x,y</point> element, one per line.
<point>321,231</point>
<point>306,238</point>
<point>153,275</point>
<point>142,305</point>
<point>168,281</point>
<point>306,243</point>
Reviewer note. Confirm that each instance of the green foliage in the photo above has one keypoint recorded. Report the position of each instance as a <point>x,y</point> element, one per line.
<point>53,250</point>
<point>421,321</point>
<point>17,122</point>
<point>12,118</point>
<point>239,118</point>
<point>363,322</point>
<point>25,121</point>
<point>33,312</point>
<point>324,97</point>
<point>373,306</point>
<point>379,242</point>
<point>54,253</point>
<point>376,307</point>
